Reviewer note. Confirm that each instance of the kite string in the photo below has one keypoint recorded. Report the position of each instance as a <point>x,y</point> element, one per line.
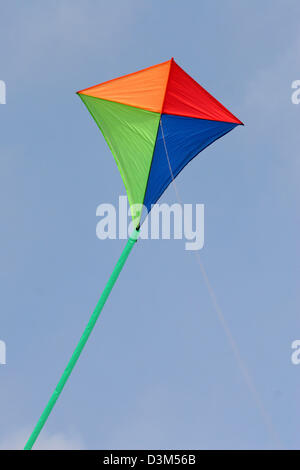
<point>243,368</point>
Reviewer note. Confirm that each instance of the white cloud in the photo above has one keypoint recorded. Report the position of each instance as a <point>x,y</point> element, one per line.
<point>46,441</point>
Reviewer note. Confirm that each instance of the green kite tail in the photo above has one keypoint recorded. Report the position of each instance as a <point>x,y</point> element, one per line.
<point>85,336</point>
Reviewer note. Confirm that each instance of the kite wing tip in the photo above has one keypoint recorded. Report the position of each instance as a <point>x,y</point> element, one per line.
<point>238,121</point>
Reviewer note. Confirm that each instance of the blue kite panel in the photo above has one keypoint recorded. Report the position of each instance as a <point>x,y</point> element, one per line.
<point>184,138</point>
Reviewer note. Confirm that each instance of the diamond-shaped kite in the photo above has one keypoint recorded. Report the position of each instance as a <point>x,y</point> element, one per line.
<point>155,122</point>
<point>129,110</point>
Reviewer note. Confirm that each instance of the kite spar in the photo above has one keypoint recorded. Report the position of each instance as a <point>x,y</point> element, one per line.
<point>85,336</point>
<point>142,116</point>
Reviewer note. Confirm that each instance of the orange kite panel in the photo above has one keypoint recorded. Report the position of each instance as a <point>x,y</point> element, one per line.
<point>143,89</point>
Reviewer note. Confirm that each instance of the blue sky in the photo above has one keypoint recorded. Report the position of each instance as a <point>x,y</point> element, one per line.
<point>159,371</point>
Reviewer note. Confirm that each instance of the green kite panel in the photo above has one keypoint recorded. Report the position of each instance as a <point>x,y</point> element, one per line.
<point>131,134</point>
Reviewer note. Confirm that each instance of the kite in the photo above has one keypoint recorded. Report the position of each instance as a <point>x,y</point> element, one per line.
<point>155,121</point>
